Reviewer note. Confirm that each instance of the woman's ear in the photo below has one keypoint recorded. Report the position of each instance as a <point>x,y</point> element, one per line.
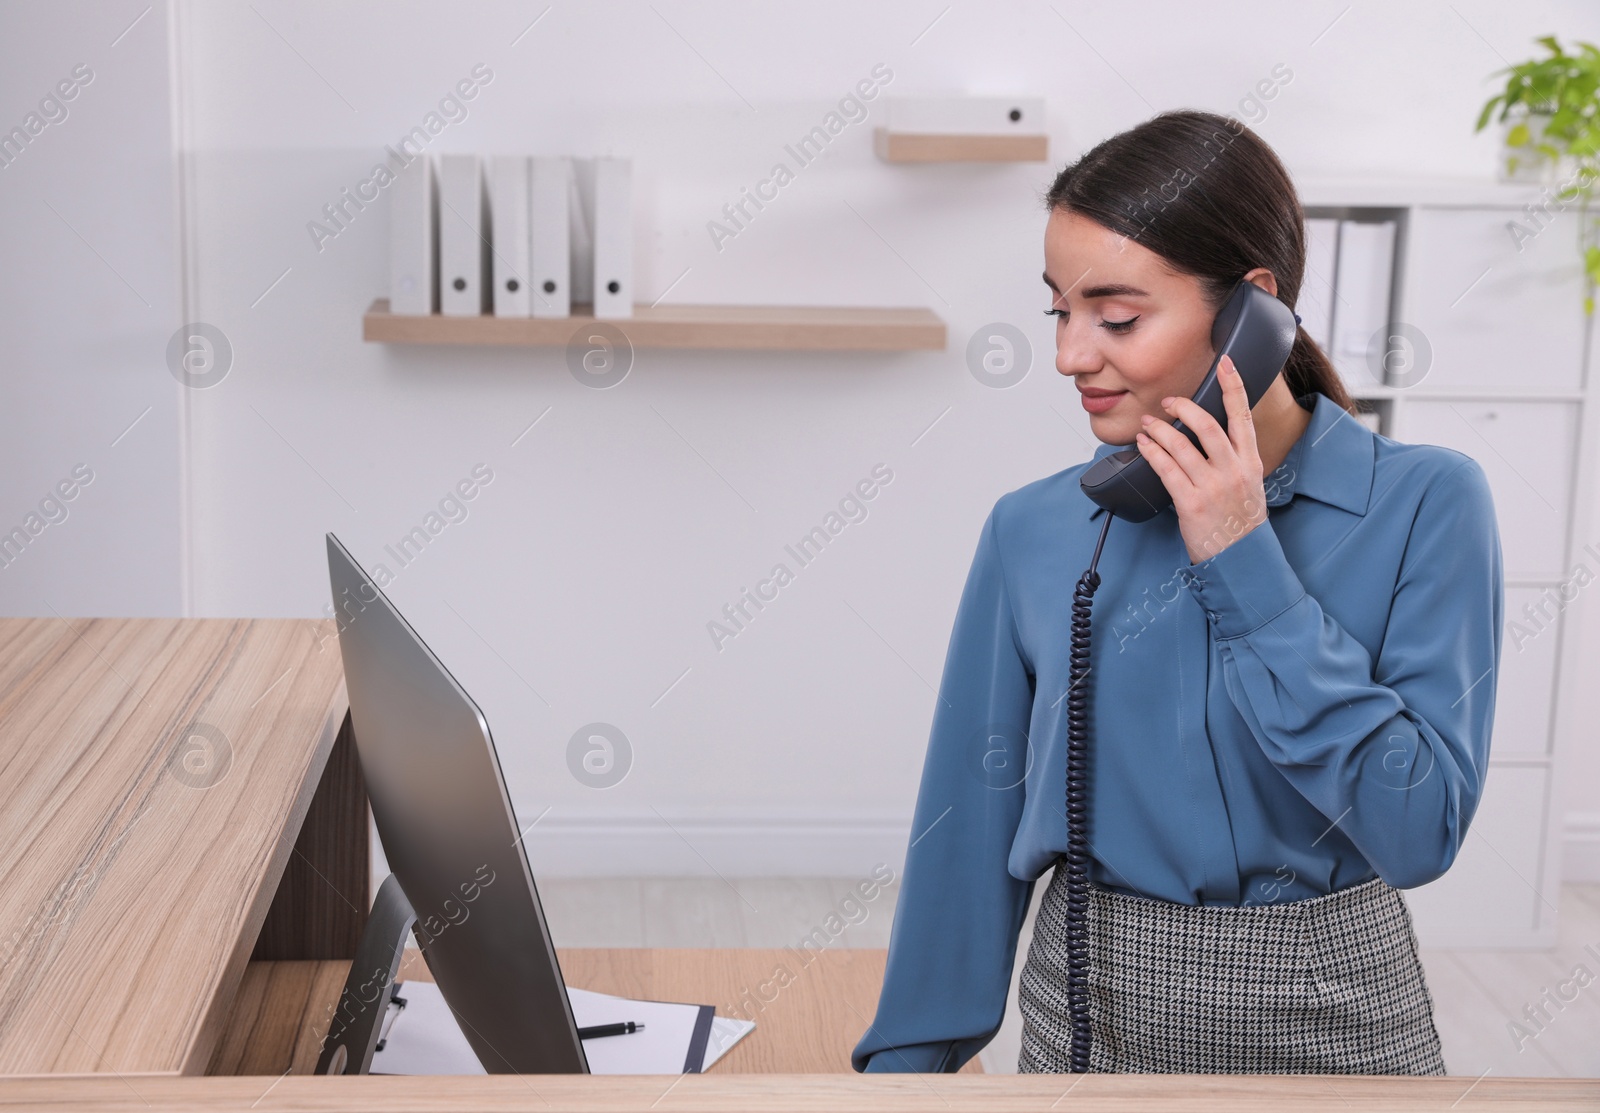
<point>1264,278</point>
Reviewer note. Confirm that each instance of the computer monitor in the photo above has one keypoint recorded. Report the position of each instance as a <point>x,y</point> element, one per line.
<point>451,836</point>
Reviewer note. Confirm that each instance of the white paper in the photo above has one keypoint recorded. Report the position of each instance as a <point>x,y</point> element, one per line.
<point>725,1032</point>
<point>425,1038</point>
<point>662,1048</point>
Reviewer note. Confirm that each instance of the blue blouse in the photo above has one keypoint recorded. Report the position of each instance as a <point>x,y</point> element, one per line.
<point>1303,710</point>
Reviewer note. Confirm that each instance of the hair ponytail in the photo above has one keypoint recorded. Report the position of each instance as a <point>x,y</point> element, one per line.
<point>1211,198</point>
<point>1309,371</point>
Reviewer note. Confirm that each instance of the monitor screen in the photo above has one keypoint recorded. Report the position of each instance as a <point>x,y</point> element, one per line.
<point>450,835</point>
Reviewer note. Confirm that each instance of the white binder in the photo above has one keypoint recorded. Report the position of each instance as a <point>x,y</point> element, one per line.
<point>1366,273</point>
<point>414,240</point>
<point>549,228</point>
<point>463,235</point>
<point>508,210</point>
<point>1316,301</point>
<point>580,202</point>
<point>613,237</point>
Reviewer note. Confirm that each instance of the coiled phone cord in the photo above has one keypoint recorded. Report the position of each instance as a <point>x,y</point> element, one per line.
<point>1077,855</point>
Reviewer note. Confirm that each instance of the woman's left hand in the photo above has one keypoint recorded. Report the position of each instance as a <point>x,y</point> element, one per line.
<point>1219,496</point>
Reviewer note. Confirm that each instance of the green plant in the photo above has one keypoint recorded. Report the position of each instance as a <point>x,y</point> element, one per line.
<point>1562,92</point>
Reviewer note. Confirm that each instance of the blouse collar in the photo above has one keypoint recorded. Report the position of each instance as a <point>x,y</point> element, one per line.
<point>1331,462</point>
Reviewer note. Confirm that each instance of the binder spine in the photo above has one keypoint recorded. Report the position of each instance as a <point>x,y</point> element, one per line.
<point>613,238</point>
<point>550,262</point>
<point>580,209</point>
<point>414,240</point>
<point>1366,271</point>
<point>509,211</point>
<point>462,233</point>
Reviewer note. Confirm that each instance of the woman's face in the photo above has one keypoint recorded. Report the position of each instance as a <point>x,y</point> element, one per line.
<point>1127,326</point>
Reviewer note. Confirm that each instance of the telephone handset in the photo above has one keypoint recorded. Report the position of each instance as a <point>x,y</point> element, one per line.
<point>1257,331</point>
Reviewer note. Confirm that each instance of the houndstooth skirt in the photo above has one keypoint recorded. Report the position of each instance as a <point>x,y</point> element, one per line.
<point>1329,985</point>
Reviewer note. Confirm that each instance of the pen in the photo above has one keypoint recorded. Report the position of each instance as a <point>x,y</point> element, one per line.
<point>609,1030</point>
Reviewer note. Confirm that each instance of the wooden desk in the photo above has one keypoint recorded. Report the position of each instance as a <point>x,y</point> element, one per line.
<point>809,1093</point>
<point>809,1015</point>
<point>177,796</point>
<point>155,775</point>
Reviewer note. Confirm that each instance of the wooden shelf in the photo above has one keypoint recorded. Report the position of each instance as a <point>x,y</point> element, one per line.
<point>906,146</point>
<point>775,328</point>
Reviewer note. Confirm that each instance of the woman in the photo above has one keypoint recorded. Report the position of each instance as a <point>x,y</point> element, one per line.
<point>1291,678</point>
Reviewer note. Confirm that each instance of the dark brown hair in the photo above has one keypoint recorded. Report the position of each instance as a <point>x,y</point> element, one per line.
<point>1211,198</point>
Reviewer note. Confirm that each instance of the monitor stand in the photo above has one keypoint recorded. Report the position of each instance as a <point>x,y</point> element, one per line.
<point>353,1033</point>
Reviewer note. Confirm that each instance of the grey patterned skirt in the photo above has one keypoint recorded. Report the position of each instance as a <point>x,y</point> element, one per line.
<point>1329,985</point>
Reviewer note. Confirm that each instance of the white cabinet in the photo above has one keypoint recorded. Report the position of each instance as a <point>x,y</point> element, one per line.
<point>1528,654</point>
<point>1496,299</point>
<point>1496,893</point>
<point>1526,450</point>
<point>1501,310</point>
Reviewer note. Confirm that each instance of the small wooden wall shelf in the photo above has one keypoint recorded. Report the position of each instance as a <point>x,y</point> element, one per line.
<point>785,328</point>
<point>907,146</point>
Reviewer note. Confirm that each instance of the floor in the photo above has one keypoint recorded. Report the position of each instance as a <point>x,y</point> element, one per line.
<point>1480,997</point>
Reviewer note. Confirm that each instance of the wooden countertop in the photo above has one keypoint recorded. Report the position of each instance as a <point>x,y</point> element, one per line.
<point>781,1093</point>
<point>154,774</point>
<point>810,1008</point>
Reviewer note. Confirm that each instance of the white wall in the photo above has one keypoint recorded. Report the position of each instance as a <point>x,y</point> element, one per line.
<point>88,299</point>
<point>579,587</point>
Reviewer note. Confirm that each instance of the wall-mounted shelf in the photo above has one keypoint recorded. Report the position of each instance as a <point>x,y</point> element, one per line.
<point>962,129</point>
<point>896,146</point>
<point>770,327</point>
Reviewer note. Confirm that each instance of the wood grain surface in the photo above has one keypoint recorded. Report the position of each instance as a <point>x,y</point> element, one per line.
<point>769,327</point>
<point>325,894</point>
<point>900,146</point>
<point>154,774</point>
<point>810,1008</point>
<point>810,1093</point>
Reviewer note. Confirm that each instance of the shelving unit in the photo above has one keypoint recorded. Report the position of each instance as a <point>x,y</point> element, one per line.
<point>1522,402</point>
<point>760,327</point>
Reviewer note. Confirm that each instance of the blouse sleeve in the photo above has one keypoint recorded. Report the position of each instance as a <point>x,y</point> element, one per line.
<point>955,929</point>
<point>1392,751</point>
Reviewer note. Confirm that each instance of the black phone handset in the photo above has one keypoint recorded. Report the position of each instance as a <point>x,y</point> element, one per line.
<point>1256,331</point>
